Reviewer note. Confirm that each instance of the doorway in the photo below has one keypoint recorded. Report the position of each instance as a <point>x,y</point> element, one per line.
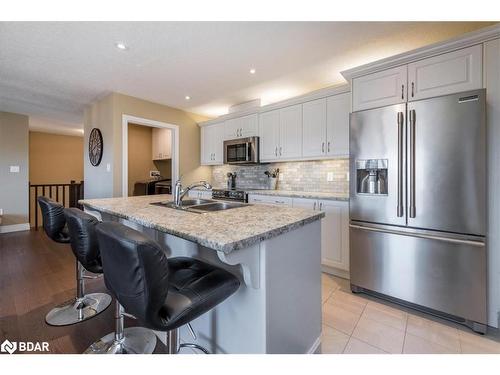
<point>150,153</point>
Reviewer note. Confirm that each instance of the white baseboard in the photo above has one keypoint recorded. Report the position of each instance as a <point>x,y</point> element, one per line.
<point>315,346</point>
<point>14,228</point>
<point>335,272</point>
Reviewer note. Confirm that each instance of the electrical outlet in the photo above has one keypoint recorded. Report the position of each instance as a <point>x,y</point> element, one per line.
<point>1,211</point>
<point>14,169</point>
<point>329,176</point>
<point>108,167</point>
<point>281,176</point>
<point>347,176</point>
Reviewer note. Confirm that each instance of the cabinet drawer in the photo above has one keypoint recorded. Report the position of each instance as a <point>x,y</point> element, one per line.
<point>269,199</point>
<point>446,74</point>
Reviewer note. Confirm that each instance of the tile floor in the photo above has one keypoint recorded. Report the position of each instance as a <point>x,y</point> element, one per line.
<point>361,324</point>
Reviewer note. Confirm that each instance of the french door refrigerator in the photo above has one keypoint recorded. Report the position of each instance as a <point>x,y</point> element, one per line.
<point>417,205</point>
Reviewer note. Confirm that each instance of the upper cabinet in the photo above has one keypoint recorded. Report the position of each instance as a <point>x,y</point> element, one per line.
<point>314,128</point>
<point>281,133</point>
<point>379,89</point>
<point>337,125</point>
<point>162,144</point>
<point>446,74</point>
<point>326,127</point>
<point>212,150</point>
<point>242,127</point>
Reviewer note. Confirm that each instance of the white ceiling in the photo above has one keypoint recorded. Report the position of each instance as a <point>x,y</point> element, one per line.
<point>53,70</point>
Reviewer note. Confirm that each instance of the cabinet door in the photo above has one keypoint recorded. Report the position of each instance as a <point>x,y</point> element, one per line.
<point>290,145</point>
<point>449,73</point>
<point>334,233</point>
<point>309,204</point>
<point>232,128</point>
<point>249,126</point>
<point>269,130</point>
<point>314,128</point>
<point>218,144</point>
<point>207,134</point>
<point>270,199</point>
<point>337,129</point>
<point>155,143</point>
<point>379,89</point>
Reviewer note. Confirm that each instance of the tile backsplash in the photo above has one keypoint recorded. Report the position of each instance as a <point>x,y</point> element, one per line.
<point>297,176</point>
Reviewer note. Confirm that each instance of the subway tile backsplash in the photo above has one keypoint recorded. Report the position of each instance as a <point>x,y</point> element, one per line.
<point>297,176</point>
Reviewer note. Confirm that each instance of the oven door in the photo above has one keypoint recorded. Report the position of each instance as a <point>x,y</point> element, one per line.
<point>241,151</point>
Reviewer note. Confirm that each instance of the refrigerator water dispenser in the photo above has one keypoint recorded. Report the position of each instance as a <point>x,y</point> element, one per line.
<point>371,176</point>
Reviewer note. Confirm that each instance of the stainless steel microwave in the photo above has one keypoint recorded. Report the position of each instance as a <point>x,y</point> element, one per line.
<point>242,151</point>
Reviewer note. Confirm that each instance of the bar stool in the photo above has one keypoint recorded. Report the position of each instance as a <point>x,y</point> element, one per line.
<point>162,294</point>
<point>83,306</point>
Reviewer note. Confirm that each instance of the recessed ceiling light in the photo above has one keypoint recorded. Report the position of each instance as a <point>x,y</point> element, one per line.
<point>121,45</point>
<point>187,97</point>
<point>252,71</point>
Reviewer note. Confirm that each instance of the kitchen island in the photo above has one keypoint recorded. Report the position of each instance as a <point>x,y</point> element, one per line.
<point>275,251</point>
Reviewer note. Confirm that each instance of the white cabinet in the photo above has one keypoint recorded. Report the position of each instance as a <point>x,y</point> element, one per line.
<point>269,130</point>
<point>334,230</point>
<point>314,128</point>
<point>162,144</point>
<point>379,89</point>
<point>446,74</point>
<point>242,127</point>
<point>212,138</point>
<point>280,134</point>
<point>200,194</point>
<point>337,125</point>
<point>270,199</point>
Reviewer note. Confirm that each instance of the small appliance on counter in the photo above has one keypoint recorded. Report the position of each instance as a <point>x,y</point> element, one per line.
<point>148,187</point>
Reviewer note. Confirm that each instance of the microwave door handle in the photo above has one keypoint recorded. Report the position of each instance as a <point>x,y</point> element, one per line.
<point>248,147</point>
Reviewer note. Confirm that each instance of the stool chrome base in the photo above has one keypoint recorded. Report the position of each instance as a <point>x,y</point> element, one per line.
<point>135,340</point>
<point>78,309</point>
<point>194,346</point>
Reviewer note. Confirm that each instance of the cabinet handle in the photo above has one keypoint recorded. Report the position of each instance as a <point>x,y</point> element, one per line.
<point>320,206</point>
<point>314,207</point>
<point>280,150</point>
<point>323,147</point>
<point>412,89</point>
<point>241,132</point>
<point>328,146</point>
<point>402,92</point>
<point>276,151</point>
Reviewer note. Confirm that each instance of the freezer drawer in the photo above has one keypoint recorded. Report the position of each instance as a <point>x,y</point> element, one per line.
<point>449,277</point>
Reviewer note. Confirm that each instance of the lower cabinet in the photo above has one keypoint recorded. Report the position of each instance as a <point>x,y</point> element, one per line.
<point>334,228</point>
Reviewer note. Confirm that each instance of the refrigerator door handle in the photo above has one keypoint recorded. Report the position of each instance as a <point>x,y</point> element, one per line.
<point>412,163</point>
<point>420,235</point>
<point>400,164</point>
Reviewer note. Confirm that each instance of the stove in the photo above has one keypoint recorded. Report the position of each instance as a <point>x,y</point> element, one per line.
<point>230,195</point>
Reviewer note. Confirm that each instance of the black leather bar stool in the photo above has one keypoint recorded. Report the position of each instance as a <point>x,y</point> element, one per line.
<point>84,306</point>
<point>162,294</point>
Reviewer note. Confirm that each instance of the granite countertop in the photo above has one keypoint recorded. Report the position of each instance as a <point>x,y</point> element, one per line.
<point>225,230</point>
<point>301,194</point>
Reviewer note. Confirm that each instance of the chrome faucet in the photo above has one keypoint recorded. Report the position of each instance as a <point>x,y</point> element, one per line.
<point>179,192</point>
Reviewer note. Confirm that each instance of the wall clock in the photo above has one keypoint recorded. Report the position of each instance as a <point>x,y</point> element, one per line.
<point>95,147</point>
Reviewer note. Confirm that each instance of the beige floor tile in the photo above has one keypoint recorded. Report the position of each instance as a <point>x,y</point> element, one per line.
<point>325,293</point>
<point>347,301</point>
<point>434,332</point>
<point>380,335</point>
<point>385,314</point>
<point>339,318</point>
<point>355,346</point>
<point>417,345</point>
<point>333,341</point>
<point>475,344</point>
<point>328,280</point>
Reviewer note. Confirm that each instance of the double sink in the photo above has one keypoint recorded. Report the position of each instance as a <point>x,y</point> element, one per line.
<point>201,205</point>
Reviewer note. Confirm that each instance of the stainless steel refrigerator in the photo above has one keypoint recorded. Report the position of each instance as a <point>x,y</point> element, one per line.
<point>418,205</point>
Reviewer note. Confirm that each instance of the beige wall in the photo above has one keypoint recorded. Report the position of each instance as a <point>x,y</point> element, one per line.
<point>140,152</point>
<point>13,152</point>
<point>55,158</point>
<point>115,105</point>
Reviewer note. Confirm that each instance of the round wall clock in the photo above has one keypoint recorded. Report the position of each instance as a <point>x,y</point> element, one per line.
<point>95,147</point>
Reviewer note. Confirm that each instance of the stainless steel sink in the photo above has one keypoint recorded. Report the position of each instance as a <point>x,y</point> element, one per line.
<point>201,205</point>
<point>216,206</point>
